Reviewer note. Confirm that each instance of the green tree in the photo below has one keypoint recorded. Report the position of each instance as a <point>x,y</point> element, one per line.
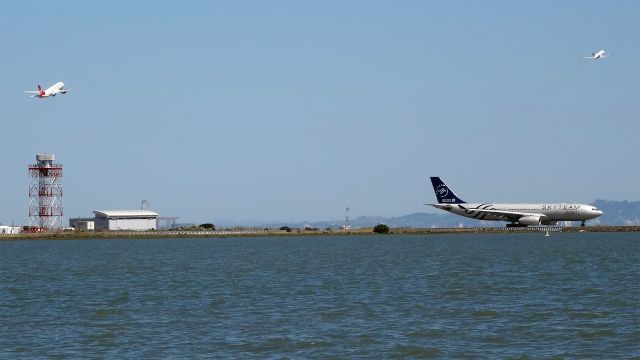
<point>207,226</point>
<point>285,228</point>
<point>381,229</point>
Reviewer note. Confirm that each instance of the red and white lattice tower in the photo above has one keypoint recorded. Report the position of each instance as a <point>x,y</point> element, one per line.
<point>45,193</point>
<point>347,225</point>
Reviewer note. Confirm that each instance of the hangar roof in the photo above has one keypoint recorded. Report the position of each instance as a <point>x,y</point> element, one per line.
<point>125,213</point>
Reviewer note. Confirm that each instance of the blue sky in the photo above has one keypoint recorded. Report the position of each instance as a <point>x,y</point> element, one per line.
<point>292,110</point>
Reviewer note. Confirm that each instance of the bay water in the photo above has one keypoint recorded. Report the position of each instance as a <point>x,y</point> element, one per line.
<point>573,295</point>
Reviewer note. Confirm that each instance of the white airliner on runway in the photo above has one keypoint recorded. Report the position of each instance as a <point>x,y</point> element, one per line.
<point>57,88</point>
<point>596,55</point>
<point>519,215</point>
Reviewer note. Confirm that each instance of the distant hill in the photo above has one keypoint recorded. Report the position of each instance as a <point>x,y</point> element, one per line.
<point>615,213</point>
<point>618,212</point>
<point>415,220</point>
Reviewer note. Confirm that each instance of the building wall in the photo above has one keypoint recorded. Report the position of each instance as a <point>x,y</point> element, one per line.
<point>130,224</point>
<point>10,230</point>
<point>101,223</point>
<point>85,225</point>
<point>73,222</point>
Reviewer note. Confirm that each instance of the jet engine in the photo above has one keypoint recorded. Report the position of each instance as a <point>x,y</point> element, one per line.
<point>529,220</point>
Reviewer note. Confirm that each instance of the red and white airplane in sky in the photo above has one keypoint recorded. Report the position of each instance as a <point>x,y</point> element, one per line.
<point>57,88</point>
<point>596,55</point>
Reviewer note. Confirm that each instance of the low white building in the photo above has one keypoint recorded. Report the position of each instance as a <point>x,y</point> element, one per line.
<point>82,223</point>
<point>125,220</point>
<point>6,230</point>
<point>85,225</point>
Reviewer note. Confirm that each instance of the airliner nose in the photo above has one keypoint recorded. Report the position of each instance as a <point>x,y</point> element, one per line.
<point>592,212</point>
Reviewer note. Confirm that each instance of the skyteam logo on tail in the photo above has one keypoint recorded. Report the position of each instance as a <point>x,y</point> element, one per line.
<point>444,193</point>
<point>442,190</point>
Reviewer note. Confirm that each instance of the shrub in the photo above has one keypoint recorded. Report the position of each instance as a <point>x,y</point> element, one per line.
<point>207,226</point>
<point>285,228</point>
<point>381,229</point>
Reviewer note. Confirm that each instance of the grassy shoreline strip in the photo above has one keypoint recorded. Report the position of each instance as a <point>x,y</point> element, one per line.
<point>89,235</point>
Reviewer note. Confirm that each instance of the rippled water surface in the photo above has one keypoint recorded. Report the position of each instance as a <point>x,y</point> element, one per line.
<point>444,296</point>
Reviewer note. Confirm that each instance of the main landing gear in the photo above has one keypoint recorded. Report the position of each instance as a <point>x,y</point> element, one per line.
<point>582,225</point>
<point>516,225</point>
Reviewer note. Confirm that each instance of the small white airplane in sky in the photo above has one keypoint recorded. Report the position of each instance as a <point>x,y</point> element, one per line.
<point>57,88</point>
<point>596,55</point>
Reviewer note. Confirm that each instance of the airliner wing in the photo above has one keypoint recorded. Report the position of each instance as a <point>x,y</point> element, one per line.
<point>508,215</point>
<point>64,91</point>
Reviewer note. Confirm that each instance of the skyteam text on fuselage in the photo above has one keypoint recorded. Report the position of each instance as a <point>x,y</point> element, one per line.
<point>516,214</point>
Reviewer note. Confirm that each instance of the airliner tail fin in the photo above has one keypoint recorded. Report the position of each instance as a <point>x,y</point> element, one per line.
<point>444,194</point>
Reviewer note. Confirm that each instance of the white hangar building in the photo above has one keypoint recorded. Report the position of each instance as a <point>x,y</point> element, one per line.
<point>125,220</point>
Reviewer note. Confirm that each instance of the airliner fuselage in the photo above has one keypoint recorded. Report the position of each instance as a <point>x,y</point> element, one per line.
<point>533,214</point>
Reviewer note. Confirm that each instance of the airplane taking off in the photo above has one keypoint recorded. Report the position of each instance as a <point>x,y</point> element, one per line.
<point>597,55</point>
<point>519,215</point>
<point>57,88</point>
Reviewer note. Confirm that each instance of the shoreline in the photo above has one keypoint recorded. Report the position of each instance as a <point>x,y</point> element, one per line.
<point>168,234</point>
